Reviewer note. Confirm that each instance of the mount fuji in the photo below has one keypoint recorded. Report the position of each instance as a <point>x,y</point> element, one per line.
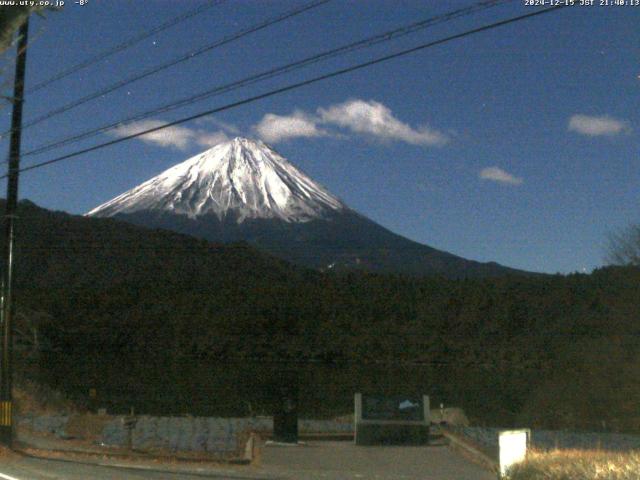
<point>243,190</point>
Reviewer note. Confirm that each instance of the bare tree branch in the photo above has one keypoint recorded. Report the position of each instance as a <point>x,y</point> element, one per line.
<point>624,246</point>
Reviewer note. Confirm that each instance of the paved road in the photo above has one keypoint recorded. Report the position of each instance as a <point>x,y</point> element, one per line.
<point>313,461</point>
<point>344,461</point>
<point>38,469</point>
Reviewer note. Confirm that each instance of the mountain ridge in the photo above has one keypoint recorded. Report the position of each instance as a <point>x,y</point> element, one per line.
<point>243,190</point>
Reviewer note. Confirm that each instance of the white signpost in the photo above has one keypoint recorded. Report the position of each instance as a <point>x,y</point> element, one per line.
<point>513,448</point>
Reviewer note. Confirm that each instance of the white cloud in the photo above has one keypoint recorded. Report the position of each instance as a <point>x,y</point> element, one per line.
<point>359,116</point>
<point>597,126</point>
<point>174,136</point>
<point>206,139</point>
<point>496,174</point>
<point>374,118</point>
<point>276,128</point>
<point>226,127</point>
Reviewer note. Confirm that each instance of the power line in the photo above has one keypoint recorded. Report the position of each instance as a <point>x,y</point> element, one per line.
<point>293,86</point>
<point>124,45</point>
<point>367,42</point>
<point>188,56</point>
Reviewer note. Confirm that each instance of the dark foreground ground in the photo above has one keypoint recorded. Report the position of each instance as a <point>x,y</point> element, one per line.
<point>314,460</point>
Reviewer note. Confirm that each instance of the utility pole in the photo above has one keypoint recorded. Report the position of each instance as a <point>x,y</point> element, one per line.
<point>6,301</point>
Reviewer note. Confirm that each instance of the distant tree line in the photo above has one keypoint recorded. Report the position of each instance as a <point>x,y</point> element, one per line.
<point>172,324</point>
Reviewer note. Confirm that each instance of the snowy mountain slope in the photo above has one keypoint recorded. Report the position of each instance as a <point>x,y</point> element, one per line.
<point>243,190</point>
<point>241,179</point>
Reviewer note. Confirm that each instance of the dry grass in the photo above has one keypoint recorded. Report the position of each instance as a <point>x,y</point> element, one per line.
<point>578,465</point>
<point>451,415</point>
<point>31,398</point>
<point>7,455</point>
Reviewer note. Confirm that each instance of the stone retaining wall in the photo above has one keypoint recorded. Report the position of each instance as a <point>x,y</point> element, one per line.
<point>194,434</point>
<point>54,424</point>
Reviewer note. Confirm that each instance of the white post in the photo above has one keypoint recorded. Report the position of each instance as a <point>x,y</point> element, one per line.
<point>512,448</point>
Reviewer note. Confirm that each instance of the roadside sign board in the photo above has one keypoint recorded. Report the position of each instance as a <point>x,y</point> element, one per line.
<point>392,408</point>
<point>391,420</point>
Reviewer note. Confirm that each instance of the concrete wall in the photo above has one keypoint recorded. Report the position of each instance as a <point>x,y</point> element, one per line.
<point>198,434</point>
<point>54,424</point>
<point>558,439</point>
<point>194,434</point>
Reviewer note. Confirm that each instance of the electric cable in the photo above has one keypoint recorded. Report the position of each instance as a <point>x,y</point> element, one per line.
<point>124,45</point>
<point>365,43</point>
<point>293,86</point>
<point>158,68</point>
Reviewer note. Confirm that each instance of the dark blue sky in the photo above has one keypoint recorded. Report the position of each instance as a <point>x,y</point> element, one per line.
<point>518,145</point>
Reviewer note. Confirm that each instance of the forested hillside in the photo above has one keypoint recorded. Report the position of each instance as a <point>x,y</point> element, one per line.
<point>172,324</point>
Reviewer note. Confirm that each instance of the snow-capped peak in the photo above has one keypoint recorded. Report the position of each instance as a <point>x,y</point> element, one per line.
<point>243,178</point>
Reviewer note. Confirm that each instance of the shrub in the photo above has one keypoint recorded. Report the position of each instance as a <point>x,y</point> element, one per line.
<point>578,465</point>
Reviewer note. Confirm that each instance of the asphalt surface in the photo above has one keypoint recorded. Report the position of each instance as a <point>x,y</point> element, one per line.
<point>344,461</point>
<point>39,469</point>
<point>312,461</point>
